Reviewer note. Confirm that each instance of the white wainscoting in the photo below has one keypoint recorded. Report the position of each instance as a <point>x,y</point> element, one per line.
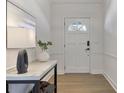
<point>109,71</point>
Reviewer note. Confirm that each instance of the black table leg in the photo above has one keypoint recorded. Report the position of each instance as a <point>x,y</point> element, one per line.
<point>55,79</point>
<point>36,88</point>
<point>7,87</point>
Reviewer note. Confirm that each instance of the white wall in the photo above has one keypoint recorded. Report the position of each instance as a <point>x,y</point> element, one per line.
<point>92,10</point>
<point>110,42</point>
<point>41,10</point>
<point>78,1</point>
<point>42,22</point>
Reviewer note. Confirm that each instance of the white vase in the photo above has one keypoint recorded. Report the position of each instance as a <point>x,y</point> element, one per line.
<point>43,56</point>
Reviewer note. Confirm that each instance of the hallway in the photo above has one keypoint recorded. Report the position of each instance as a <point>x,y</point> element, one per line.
<point>80,35</point>
<point>83,83</point>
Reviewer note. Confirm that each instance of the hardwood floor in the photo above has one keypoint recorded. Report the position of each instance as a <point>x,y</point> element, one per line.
<point>83,83</point>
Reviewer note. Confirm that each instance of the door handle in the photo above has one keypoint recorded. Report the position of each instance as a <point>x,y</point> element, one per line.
<point>87,49</point>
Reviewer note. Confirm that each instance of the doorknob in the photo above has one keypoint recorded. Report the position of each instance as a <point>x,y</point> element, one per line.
<point>87,49</point>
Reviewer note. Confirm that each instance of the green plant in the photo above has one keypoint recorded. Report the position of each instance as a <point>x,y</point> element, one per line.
<point>44,45</point>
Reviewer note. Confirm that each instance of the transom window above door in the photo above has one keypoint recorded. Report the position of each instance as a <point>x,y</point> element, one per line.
<point>77,26</point>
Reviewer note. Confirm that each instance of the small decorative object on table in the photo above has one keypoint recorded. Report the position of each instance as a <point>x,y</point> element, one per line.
<point>22,62</point>
<point>44,56</point>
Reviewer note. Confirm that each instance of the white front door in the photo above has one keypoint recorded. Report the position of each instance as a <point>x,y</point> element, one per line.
<point>77,45</point>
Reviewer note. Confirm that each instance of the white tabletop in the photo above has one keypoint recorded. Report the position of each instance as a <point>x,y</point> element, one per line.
<point>36,70</point>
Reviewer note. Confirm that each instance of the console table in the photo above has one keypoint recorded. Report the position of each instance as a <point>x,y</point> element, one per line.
<point>36,72</point>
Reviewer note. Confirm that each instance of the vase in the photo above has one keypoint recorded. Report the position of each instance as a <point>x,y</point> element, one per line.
<point>43,56</point>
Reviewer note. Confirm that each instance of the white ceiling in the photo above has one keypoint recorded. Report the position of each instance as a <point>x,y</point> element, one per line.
<point>77,1</point>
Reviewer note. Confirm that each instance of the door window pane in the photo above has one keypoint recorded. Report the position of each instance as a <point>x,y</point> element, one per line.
<point>77,26</point>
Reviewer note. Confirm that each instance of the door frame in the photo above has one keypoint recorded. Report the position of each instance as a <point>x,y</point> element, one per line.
<point>89,40</point>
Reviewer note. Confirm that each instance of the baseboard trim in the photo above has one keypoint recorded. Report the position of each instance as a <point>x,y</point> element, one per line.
<point>61,73</point>
<point>112,83</point>
<point>76,70</point>
<point>96,71</point>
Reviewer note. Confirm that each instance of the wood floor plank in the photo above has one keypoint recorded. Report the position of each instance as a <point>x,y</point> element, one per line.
<point>83,83</point>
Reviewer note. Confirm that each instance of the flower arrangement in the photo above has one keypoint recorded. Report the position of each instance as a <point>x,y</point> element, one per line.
<point>44,45</point>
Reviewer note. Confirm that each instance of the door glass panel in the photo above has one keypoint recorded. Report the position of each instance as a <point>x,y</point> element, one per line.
<point>77,26</point>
